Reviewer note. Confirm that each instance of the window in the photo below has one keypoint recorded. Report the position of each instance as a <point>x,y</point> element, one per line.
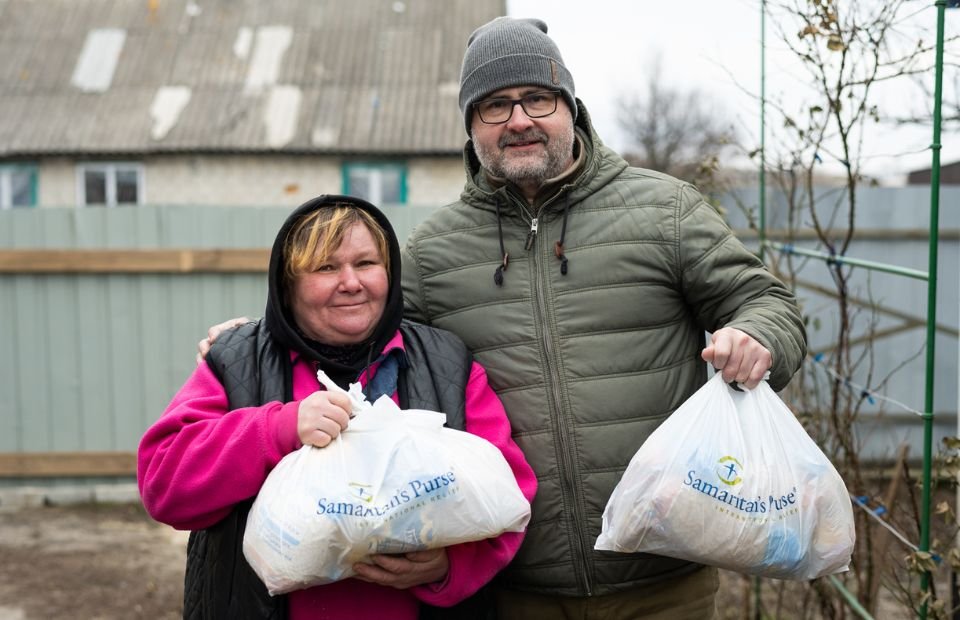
<point>376,183</point>
<point>18,186</point>
<point>110,185</point>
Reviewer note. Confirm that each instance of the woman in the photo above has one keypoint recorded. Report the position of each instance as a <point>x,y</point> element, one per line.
<point>333,303</point>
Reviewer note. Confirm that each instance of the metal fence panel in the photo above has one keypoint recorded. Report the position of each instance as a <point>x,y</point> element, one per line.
<point>89,360</point>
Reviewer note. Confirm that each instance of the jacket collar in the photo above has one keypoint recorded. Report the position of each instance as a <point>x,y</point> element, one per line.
<point>552,186</point>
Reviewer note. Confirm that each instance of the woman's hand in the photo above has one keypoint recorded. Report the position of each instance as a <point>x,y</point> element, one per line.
<point>321,417</point>
<point>406,570</point>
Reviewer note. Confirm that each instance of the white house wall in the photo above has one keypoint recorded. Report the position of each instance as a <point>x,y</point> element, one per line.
<point>246,180</point>
<point>434,181</point>
<point>57,183</point>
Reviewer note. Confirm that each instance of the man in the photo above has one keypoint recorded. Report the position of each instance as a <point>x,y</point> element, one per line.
<point>585,287</point>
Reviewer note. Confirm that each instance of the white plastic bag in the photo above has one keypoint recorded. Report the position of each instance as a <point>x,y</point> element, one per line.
<point>393,482</point>
<point>732,480</point>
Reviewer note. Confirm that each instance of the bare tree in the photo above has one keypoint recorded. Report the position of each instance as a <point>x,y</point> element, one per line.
<point>674,131</point>
<point>846,49</point>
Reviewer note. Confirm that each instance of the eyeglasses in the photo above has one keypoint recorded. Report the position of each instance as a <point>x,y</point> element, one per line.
<point>535,105</point>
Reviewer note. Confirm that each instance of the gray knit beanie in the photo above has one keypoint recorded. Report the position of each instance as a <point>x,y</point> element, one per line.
<point>509,52</point>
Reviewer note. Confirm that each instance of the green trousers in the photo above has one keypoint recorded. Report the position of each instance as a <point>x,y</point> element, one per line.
<point>692,597</point>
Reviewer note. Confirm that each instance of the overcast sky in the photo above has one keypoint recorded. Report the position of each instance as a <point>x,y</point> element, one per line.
<point>713,47</point>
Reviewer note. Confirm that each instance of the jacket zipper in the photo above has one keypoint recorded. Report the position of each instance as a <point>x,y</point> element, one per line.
<point>540,274</point>
<point>532,235</point>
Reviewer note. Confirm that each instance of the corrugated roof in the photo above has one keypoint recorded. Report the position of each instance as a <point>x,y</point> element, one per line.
<point>304,76</point>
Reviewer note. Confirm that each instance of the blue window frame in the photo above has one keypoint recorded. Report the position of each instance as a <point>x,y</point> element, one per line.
<point>377,183</point>
<point>18,186</point>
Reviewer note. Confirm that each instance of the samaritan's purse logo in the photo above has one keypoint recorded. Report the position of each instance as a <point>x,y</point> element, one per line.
<point>361,490</point>
<point>728,470</point>
<point>363,503</point>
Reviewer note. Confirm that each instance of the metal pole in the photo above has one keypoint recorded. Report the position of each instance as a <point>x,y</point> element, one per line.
<point>850,598</point>
<point>762,234</point>
<point>763,127</point>
<point>932,302</point>
<point>787,248</point>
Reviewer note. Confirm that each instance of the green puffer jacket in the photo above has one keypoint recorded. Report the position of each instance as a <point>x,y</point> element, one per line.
<point>589,363</point>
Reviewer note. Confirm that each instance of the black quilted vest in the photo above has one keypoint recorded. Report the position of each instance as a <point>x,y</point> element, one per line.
<point>219,584</point>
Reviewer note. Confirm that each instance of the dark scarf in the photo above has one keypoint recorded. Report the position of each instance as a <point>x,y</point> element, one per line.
<point>342,363</point>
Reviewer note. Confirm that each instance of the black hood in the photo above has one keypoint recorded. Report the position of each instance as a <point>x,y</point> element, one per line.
<point>279,319</point>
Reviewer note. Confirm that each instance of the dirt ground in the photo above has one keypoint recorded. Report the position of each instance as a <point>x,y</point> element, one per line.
<point>97,561</point>
<point>111,561</point>
<point>101,561</point>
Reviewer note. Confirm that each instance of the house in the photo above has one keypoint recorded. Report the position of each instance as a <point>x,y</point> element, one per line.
<point>232,102</point>
<point>949,175</point>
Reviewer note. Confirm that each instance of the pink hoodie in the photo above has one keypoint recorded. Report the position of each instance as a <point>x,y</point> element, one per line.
<point>199,459</point>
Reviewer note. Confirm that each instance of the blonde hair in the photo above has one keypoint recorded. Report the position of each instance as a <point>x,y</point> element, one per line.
<point>318,234</point>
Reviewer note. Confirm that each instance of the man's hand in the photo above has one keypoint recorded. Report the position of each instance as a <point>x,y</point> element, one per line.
<point>405,571</point>
<point>738,357</point>
<point>203,347</point>
<point>321,417</point>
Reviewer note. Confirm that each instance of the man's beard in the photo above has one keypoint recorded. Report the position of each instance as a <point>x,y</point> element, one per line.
<point>528,168</point>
